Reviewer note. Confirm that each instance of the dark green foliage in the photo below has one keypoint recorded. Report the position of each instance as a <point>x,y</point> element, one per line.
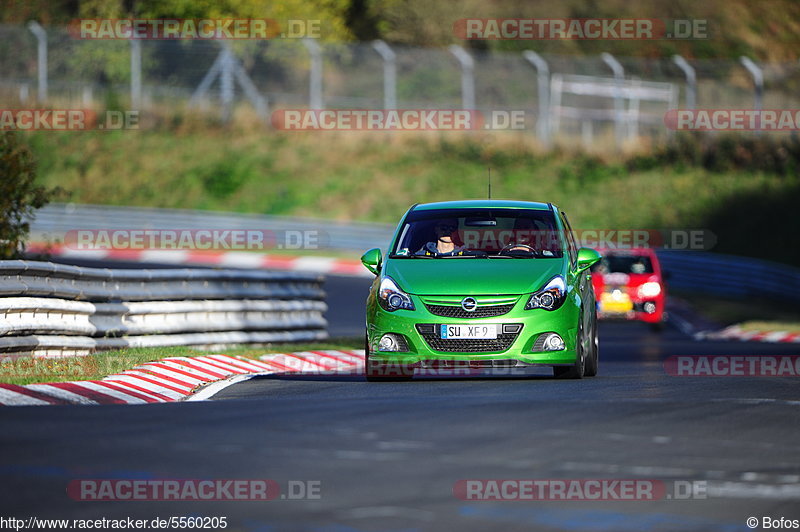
<point>19,194</point>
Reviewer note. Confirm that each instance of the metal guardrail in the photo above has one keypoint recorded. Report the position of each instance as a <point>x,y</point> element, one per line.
<point>729,275</point>
<point>53,309</point>
<point>703,272</point>
<point>53,221</point>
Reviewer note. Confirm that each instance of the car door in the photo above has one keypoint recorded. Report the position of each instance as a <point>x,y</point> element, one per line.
<point>579,281</point>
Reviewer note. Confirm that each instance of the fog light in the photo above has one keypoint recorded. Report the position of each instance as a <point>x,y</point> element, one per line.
<point>553,342</point>
<point>548,341</point>
<point>392,343</point>
<point>649,307</point>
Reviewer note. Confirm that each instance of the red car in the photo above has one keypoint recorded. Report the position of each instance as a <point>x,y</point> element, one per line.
<point>629,284</point>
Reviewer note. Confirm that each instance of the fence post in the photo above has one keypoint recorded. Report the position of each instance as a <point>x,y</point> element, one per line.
<point>619,76</point>
<point>543,80</point>
<point>41,57</point>
<point>136,74</point>
<point>467,76</point>
<point>758,81</point>
<point>226,87</point>
<point>389,73</point>
<point>691,80</point>
<point>315,75</point>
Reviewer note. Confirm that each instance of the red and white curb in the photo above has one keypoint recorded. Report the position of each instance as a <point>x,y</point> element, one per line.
<point>735,332</point>
<point>177,379</point>
<point>228,259</point>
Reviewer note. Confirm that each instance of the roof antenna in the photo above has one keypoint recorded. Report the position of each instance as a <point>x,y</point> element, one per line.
<point>490,182</point>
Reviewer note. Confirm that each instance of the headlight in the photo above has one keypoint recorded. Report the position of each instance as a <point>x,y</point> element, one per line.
<point>550,297</point>
<point>651,289</point>
<point>391,298</point>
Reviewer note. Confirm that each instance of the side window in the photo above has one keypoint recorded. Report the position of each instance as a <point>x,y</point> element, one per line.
<point>573,251</point>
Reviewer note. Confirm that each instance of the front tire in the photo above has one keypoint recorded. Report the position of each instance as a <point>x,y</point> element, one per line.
<point>593,359</point>
<point>577,370</point>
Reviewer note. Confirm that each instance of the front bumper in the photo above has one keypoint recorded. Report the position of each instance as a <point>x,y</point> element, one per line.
<point>641,311</point>
<point>426,349</point>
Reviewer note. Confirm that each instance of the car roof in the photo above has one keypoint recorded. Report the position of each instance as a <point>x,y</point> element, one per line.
<point>483,204</point>
<point>627,252</point>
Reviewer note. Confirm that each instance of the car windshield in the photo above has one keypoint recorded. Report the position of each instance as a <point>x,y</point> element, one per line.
<point>624,264</point>
<point>479,233</point>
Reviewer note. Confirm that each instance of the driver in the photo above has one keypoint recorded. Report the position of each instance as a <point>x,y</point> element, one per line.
<point>523,235</point>
<point>443,244</point>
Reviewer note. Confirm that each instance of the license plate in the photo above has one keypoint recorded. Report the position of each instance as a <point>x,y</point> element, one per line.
<point>615,303</point>
<point>487,331</point>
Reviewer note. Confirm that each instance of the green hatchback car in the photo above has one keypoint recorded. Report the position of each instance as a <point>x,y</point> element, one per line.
<point>481,284</point>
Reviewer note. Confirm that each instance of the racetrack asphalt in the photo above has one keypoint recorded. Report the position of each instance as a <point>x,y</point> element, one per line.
<point>388,455</point>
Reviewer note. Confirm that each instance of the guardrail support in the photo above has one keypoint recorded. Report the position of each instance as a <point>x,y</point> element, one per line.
<point>467,76</point>
<point>136,74</point>
<point>227,68</point>
<point>543,81</point>
<point>691,80</point>
<point>41,57</point>
<point>619,76</point>
<point>389,73</point>
<point>758,81</point>
<point>315,75</point>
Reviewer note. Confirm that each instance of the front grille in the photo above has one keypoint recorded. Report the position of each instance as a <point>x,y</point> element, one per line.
<point>501,343</point>
<point>452,311</point>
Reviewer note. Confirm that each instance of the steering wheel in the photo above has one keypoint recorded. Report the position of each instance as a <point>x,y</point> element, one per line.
<point>509,247</point>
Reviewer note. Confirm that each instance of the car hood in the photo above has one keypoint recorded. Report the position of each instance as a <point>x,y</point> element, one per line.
<point>472,276</point>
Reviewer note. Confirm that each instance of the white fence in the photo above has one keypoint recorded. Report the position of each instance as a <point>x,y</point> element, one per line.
<point>41,65</point>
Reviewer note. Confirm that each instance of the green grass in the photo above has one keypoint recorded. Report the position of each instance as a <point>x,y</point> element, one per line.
<point>771,326</point>
<point>363,177</point>
<point>98,365</point>
<point>377,176</point>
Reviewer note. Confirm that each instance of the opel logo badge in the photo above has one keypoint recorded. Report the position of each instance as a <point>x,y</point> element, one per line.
<point>469,304</point>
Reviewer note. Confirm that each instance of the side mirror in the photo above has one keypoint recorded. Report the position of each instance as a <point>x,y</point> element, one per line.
<point>372,260</point>
<point>587,257</point>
